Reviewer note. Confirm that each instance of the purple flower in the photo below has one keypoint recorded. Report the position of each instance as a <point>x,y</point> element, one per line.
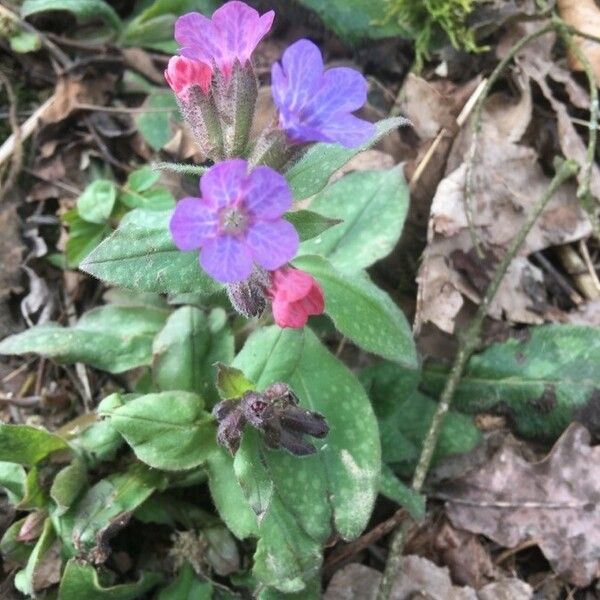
<point>316,105</point>
<point>232,34</point>
<point>237,222</point>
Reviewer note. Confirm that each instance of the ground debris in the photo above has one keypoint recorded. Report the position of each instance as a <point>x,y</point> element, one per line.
<point>553,502</point>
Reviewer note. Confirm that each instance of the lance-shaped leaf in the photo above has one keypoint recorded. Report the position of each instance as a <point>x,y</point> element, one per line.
<point>187,348</point>
<point>27,445</point>
<point>169,431</point>
<point>309,224</point>
<point>312,172</point>
<point>140,254</point>
<point>371,207</point>
<point>83,581</point>
<point>111,338</point>
<point>313,497</point>
<point>540,382</point>
<point>362,312</point>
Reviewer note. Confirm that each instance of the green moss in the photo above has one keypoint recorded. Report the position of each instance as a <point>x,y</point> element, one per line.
<point>430,20</point>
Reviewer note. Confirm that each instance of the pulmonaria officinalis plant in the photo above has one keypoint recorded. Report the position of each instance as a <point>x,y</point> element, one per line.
<point>283,430</point>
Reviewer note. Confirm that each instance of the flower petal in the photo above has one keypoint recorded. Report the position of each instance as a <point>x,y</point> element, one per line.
<point>227,259</point>
<point>290,284</point>
<point>290,315</point>
<point>223,184</point>
<point>198,38</point>
<point>272,243</point>
<point>296,80</point>
<point>267,194</point>
<point>240,29</point>
<point>347,130</point>
<point>342,90</point>
<point>193,223</point>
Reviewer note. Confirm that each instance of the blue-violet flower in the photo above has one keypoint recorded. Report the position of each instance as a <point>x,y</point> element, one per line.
<point>316,105</point>
<point>237,221</point>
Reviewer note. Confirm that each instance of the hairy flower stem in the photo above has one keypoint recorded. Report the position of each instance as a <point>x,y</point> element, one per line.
<point>468,345</point>
<point>179,168</point>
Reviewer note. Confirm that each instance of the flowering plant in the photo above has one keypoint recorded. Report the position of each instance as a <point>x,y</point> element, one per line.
<point>234,296</point>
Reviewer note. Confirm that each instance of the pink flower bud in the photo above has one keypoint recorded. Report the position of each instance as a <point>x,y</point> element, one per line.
<point>296,295</point>
<point>184,73</point>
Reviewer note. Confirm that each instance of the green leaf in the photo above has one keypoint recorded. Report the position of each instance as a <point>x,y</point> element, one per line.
<point>104,508</point>
<point>178,7</point>
<point>158,198</point>
<point>169,431</point>
<point>405,415</point>
<point>187,586</point>
<point>27,445</point>
<point>372,207</point>
<point>111,338</point>
<point>187,348</point>
<point>140,254</point>
<point>362,312</point>
<point>12,481</point>
<point>155,122</point>
<point>541,382</point>
<point>24,42</point>
<point>228,497</point>
<point>97,201</point>
<point>82,581</point>
<point>84,10</point>
<point>232,383</point>
<point>391,487</point>
<point>98,439</point>
<point>250,470</point>
<point>142,179</point>
<point>313,497</point>
<point>36,495</point>
<point>356,21</point>
<point>309,224</point>
<point>83,237</point>
<point>24,580</point>
<point>312,172</point>
<point>68,484</point>
<point>12,548</point>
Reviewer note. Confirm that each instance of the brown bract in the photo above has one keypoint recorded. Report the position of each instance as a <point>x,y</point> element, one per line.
<point>553,502</point>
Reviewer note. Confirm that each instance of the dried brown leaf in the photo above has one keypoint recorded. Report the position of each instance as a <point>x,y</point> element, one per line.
<point>553,502</point>
<point>507,181</point>
<point>418,578</point>
<point>585,16</point>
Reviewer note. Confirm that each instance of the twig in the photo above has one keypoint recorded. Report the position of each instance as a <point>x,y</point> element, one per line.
<point>179,168</point>
<point>369,538</point>
<point>17,155</point>
<point>477,114</point>
<point>468,344</point>
<point>587,259</point>
<point>584,189</point>
<point>27,128</point>
<point>559,278</point>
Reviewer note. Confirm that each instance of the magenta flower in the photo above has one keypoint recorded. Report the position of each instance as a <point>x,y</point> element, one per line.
<point>316,105</point>
<point>237,222</point>
<point>232,34</point>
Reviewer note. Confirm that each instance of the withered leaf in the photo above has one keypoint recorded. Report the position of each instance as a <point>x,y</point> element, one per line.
<point>553,502</point>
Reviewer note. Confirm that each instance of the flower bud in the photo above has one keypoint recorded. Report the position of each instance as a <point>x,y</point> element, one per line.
<point>191,80</point>
<point>296,295</point>
<point>276,413</point>
<point>249,297</point>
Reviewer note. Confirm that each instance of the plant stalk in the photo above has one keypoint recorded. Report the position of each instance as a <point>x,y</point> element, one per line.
<point>468,344</point>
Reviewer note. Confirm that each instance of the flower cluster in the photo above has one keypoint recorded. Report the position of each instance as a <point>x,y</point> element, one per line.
<point>276,413</point>
<point>238,221</point>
